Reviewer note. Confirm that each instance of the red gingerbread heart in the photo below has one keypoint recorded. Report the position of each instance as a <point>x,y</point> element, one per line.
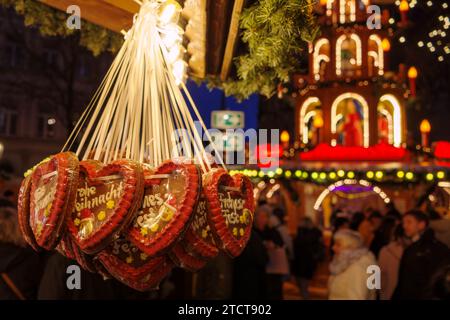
<point>106,201</point>
<point>186,259</point>
<point>65,247</point>
<point>199,239</point>
<point>53,187</point>
<point>128,264</point>
<point>230,209</point>
<point>23,213</point>
<point>170,195</point>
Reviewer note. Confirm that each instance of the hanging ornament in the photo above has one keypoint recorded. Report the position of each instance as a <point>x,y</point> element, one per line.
<point>170,195</point>
<point>53,188</point>
<point>126,203</point>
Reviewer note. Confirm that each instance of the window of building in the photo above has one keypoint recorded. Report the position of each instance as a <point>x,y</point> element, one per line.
<point>8,121</point>
<point>13,55</point>
<point>51,57</point>
<point>46,124</point>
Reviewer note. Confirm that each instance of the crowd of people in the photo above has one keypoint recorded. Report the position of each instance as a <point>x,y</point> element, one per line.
<point>411,252</point>
<point>272,256</point>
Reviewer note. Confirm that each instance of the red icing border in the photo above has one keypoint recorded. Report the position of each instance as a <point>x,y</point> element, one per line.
<point>133,187</point>
<point>167,237</point>
<point>224,237</point>
<point>67,166</point>
<point>23,213</point>
<point>183,259</point>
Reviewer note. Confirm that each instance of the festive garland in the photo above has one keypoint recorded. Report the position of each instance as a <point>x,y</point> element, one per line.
<point>52,22</point>
<point>274,32</point>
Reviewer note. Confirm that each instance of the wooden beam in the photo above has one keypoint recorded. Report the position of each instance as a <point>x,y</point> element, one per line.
<point>98,12</point>
<point>233,33</point>
<point>126,5</point>
<point>219,12</point>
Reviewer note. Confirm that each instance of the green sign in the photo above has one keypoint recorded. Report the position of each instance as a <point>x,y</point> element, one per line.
<point>227,119</point>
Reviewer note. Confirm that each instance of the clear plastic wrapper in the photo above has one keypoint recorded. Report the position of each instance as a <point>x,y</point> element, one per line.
<point>230,209</point>
<point>199,239</point>
<point>107,198</point>
<point>170,195</point>
<point>128,264</point>
<point>53,187</point>
<point>23,213</point>
<point>186,259</point>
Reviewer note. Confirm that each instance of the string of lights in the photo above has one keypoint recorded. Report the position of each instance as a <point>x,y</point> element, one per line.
<point>388,176</point>
<point>433,35</point>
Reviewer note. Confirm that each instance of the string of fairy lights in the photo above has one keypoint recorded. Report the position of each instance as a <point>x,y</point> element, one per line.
<point>395,176</point>
<point>436,41</point>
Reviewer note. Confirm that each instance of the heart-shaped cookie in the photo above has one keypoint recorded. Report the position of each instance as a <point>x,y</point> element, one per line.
<point>230,209</point>
<point>53,187</point>
<point>65,247</point>
<point>170,195</point>
<point>199,239</point>
<point>186,259</point>
<point>23,213</point>
<point>128,264</point>
<point>106,200</point>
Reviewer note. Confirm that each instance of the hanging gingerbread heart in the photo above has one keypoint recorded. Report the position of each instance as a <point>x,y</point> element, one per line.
<point>128,264</point>
<point>65,247</point>
<point>53,187</point>
<point>170,195</point>
<point>230,209</point>
<point>186,259</point>
<point>23,213</point>
<point>84,260</point>
<point>106,201</point>
<point>199,239</point>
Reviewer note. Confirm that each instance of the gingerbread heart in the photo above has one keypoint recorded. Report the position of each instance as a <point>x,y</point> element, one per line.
<point>106,200</point>
<point>84,260</point>
<point>170,195</point>
<point>23,213</point>
<point>199,239</point>
<point>53,187</point>
<point>230,209</point>
<point>186,259</point>
<point>128,264</point>
<point>65,247</point>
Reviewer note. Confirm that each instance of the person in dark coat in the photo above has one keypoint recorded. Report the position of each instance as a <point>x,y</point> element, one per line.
<point>249,276</point>
<point>20,267</point>
<point>421,260</point>
<point>308,248</point>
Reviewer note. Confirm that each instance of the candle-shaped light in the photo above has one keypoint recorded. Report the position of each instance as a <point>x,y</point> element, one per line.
<point>404,8</point>
<point>386,45</point>
<point>284,138</point>
<point>318,124</point>
<point>412,76</point>
<point>425,129</point>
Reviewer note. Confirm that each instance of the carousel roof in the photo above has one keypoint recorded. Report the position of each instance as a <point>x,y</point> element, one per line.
<point>211,29</point>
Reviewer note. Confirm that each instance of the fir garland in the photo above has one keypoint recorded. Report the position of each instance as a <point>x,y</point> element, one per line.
<point>52,22</point>
<point>274,32</point>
